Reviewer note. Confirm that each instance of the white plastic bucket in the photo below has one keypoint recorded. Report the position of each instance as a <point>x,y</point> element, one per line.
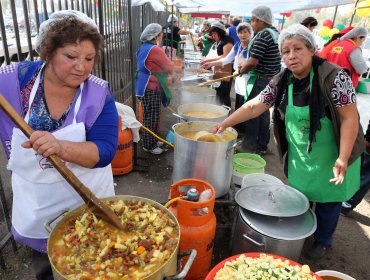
<point>254,179</point>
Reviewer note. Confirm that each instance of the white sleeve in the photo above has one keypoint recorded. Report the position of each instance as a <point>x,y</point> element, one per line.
<point>229,58</point>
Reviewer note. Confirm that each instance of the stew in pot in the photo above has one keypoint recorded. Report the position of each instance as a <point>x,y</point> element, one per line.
<point>86,247</point>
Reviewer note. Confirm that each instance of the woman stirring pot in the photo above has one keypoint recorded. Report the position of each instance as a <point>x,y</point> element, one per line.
<point>73,116</point>
<point>316,125</point>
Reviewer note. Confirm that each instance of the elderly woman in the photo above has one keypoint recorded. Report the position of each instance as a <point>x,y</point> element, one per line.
<point>316,126</point>
<point>238,55</point>
<point>347,53</point>
<point>153,67</point>
<point>221,47</point>
<point>73,116</point>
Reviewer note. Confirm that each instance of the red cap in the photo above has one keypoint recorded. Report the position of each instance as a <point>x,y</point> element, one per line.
<point>346,30</point>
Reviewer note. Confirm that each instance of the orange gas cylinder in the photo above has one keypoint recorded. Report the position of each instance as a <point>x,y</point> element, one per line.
<point>139,112</point>
<point>197,224</point>
<point>122,161</point>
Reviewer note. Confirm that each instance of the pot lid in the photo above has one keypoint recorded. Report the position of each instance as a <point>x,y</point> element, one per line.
<point>286,228</point>
<point>259,179</point>
<point>277,200</point>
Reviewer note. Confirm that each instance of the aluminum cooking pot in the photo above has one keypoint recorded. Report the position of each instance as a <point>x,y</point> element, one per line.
<point>209,161</point>
<point>167,270</point>
<point>195,94</point>
<point>222,111</point>
<point>282,236</point>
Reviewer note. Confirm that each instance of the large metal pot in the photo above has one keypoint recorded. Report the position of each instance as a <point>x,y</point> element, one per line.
<point>209,161</point>
<point>274,218</point>
<point>221,110</point>
<point>166,271</point>
<point>282,236</point>
<point>195,94</point>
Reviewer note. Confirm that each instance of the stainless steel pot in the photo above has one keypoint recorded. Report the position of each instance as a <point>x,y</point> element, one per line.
<point>166,271</point>
<point>222,110</point>
<point>209,161</point>
<point>275,235</point>
<point>195,94</point>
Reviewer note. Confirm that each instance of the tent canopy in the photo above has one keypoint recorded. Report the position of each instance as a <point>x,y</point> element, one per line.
<point>243,7</point>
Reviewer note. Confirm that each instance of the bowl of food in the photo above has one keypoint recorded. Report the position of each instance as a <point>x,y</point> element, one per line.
<point>333,275</point>
<point>257,265</point>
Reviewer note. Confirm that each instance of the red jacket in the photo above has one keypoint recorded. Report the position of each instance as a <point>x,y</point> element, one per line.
<point>340,55</point>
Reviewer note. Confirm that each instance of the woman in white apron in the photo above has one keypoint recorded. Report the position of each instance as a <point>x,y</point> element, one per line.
<point>238,55</point>
<point>73,116</point>
<point>220,49</point>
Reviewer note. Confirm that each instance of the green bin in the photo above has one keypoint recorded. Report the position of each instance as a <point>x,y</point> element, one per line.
<point>363,86</point>
<point>247,163</point>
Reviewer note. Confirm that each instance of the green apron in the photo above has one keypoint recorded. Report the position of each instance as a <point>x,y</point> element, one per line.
<point>310,173</point>
<point>162,79</point>
<point>253,75</point>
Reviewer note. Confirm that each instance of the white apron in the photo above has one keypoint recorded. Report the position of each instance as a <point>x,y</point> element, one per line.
<point>39,191</point>
<point>240,81</point>
<point>213,54</point>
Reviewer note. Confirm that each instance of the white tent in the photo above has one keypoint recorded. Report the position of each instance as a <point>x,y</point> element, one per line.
<point>242,7</point>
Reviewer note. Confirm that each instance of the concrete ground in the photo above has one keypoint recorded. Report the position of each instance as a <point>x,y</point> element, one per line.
<point>351,241</point>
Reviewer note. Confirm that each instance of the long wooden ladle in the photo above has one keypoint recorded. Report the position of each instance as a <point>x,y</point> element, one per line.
<point>218,80</point>
<point>96,205</point>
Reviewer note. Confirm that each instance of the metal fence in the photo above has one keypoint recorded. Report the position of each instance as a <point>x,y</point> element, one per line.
<point>20,23</point>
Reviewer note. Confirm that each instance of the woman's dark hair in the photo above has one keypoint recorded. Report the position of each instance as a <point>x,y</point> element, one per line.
<point>219,31</point>
<point>70,31</point>
<point>334,37</point>
<point>241,28</point>
<point>309,21</point>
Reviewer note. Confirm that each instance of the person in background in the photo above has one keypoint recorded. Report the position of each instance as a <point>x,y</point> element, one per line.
<point>73,116</point>
<point>351,204</point>
<point>264,61</point>
<point>347,53</point>
<point>238,55</point>
<point>231,31</point>
<point>222,45</point>
<point>172,32</point>
<point>335,39</point>
<point>207,40</point>
<point>153,67</point>
<point>310,23</point>
<point>316,127</point>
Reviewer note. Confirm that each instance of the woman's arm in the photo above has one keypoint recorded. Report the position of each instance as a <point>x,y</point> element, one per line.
<point>252,109</point>
<point>348,132</point>
<point>221,61</point>
<point>99,148</point>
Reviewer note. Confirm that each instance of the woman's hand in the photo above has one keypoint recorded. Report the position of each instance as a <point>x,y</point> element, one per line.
<point>207,65</point>
<point>44,143</point>
<point>339,170</point>
<point>218,128</point>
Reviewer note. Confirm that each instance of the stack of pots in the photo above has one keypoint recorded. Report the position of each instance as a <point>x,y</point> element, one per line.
<point>273,218</point>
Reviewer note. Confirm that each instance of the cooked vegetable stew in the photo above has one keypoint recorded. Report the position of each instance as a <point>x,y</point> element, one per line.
<point>86,247</point>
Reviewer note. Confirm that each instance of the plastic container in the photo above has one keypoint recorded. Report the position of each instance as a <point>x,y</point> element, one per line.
<point>197,226</point>
<point>122,162</point>
<point>363,86</point>
<point>339,275</point>
<point>248,163</point>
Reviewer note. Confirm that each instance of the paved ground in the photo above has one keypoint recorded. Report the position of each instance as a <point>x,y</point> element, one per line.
<point>351,241</point>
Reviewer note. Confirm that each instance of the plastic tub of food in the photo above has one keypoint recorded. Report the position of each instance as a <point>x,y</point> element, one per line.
<point>363,86</point>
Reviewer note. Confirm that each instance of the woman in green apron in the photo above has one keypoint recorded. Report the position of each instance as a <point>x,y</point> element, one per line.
<point>316,127</point>
<point>153,67</point>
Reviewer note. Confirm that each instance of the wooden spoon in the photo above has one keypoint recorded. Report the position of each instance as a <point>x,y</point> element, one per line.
<point>97,206</point>
<point>218,80</point>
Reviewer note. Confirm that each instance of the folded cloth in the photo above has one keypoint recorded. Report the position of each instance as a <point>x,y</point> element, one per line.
<point>128,119</point>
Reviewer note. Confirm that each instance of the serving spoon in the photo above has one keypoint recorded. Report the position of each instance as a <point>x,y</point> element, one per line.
<point>98,207</point>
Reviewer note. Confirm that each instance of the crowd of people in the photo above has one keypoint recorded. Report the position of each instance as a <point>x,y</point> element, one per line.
<point>73,115</point>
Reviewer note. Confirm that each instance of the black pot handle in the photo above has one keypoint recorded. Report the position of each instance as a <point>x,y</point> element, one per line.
<point>192,254</point>
<point>253,241</point>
